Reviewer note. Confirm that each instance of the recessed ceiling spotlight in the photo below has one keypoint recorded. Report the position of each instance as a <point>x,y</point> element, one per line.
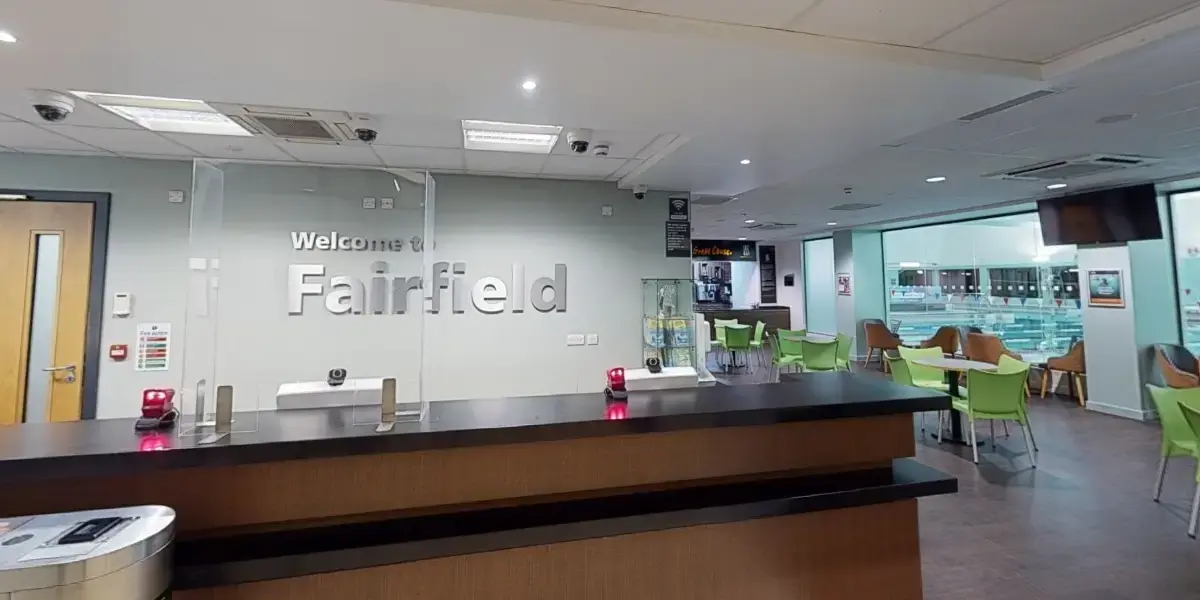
<point>745,161</point>
<point>748,221</point>
<point>529,85</point>
<point>7,37</point>
<point>1056,186</point>
<point>935,179</point>
<point>741,239</point>
<point>831,223</point>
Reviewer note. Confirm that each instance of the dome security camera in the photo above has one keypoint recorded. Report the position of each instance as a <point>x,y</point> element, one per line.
<point>52,106</point>
<point>579,140</point>
<point>366,135</point>
<point>639,192</point>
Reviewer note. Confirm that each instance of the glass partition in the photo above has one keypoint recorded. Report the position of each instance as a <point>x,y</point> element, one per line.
<point>819,294</point>
<point>1185,218</point>
<point>994,274</point>
<point>306,291</point>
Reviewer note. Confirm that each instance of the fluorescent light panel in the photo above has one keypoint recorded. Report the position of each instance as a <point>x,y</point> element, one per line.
<point>510,137</point>
<point>169,115</point>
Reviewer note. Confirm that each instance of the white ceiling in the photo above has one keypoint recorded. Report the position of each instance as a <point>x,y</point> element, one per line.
<point>1160,84</point>
<point>809,90</point>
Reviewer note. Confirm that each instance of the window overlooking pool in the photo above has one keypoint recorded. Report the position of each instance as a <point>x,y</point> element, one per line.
<point>994,274</point>
<point>1185,214</point>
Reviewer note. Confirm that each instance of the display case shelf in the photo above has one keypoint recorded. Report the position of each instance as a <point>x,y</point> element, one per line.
<point>668,322</point>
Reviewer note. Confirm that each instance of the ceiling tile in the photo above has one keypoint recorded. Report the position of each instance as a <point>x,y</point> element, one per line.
<point>504,162</point>
<point>123,141</point>
<point>907,23</point>
<point>428,158</point>
<point>230,147</point>
<point>1040,30</point>
<point>581,166</point>
<point>767,13</point>
<point>15,134</point>
<point>399,131</point>
<point>332,154</point>
<point>622,144</point>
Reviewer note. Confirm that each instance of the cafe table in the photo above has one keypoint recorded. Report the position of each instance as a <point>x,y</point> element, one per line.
<point>952,367</point>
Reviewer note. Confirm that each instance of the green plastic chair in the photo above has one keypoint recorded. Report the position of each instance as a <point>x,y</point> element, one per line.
<point>902,374</point>
<point>1190,406</point>
<point>738,340</point>
<point>1176,408</point>
<point>994,397</point>
<point>719,327</point>
<point>756,343</point>
<point>779,356</point>
<point>844,343</point>
<point>1006,365</point>
<point>819,356</point>
<point>922,376</point>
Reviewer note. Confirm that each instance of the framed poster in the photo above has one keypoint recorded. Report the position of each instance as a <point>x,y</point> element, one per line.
<point>843,284</point>
<point>1105,288</point>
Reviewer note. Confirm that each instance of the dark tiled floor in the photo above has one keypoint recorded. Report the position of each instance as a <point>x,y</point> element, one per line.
<point>1079,527</point>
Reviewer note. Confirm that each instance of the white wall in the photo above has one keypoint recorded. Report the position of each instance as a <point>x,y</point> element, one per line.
<point>789,261</point>
<point>489,223</point>
<point>820,294</point>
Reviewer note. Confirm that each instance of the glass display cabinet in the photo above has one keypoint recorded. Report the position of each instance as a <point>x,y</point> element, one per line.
<point>668,322</point>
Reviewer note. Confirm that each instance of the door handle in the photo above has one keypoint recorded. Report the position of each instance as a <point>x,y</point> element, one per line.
<point>70,369</point>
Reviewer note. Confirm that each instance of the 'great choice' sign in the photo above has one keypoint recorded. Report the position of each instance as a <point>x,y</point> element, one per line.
<point>723,250</point>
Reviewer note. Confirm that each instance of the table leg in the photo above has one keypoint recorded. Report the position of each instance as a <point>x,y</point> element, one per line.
<point>956,429</point>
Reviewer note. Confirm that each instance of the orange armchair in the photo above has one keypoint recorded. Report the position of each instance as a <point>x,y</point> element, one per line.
<point>946,338</point>
<point>987,348</point>
<point>1177,365</point>
<point>1072,363</point>
<point>880,338</point>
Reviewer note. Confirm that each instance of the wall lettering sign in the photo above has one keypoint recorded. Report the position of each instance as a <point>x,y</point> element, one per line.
<point>388,294</point>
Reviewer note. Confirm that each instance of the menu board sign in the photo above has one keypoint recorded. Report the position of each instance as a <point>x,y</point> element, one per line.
<point>766,275</point>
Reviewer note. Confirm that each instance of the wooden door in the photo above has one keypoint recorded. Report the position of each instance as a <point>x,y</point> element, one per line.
<point>45,259</point>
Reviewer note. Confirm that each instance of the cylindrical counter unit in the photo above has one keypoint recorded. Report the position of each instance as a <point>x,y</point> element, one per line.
<point>767,491</point>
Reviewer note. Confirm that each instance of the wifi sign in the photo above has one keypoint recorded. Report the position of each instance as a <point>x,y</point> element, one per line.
<point>678,209</point>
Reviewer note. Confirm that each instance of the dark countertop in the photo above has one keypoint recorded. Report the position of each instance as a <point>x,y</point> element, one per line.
<point>698,307</point>
<point>244,558</point>
<point>104,447</point>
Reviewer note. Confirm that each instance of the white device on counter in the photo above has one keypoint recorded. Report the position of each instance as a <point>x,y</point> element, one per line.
<point>362,391</point>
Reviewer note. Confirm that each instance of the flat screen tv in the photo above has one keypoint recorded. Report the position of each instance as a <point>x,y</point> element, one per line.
<point>1102,217</point>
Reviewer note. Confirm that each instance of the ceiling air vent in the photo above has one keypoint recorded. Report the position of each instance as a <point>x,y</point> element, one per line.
<point>710,200</point>
<point>1072,168</point>
<point>298,124</point>
<point>292,128</point>
<point>770,226</point>
<point>1003,106</point>
<point>853,206</point>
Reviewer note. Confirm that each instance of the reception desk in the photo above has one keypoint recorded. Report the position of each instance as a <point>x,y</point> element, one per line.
<point>797,489</point>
